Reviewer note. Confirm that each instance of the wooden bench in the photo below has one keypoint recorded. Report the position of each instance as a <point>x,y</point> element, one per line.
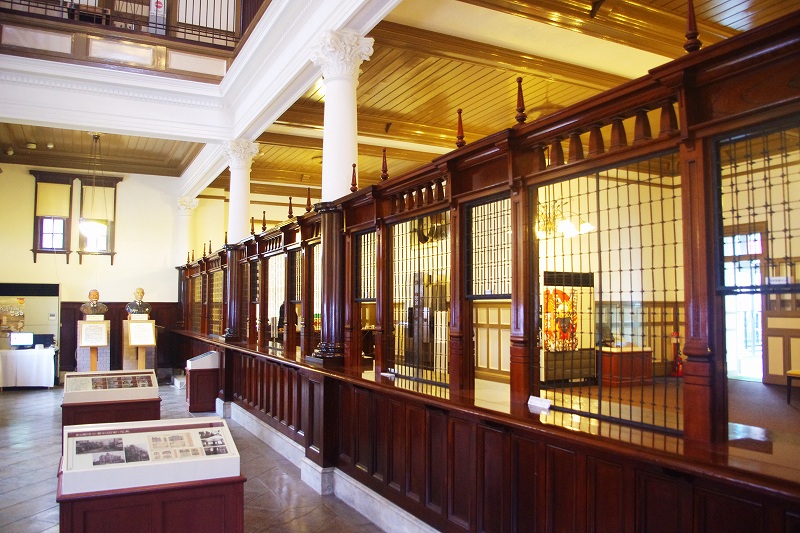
<point>791,375</point>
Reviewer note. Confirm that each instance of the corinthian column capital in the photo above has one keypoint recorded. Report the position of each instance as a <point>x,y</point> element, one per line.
<point>240,153</point>
<point>186,205</point>
<point>340,53</point>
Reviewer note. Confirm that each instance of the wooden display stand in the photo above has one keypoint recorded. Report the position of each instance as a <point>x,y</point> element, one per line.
<point>209,506</point>
<point>202,382</point>
<point>93,351</point>
<point>117,396</point>
<point>138,344</point>
<point>627,366</point>
<point>579,364</point>
<point>168,476</point>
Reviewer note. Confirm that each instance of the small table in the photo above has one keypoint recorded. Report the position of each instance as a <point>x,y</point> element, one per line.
<point>27,368</point>
<point>629,365</point>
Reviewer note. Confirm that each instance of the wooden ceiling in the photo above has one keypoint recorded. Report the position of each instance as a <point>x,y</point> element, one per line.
<point>411,88</point>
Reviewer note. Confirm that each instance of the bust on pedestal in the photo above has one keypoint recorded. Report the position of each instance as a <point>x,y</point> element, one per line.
<point>93,351</point>
<point>138,335</point>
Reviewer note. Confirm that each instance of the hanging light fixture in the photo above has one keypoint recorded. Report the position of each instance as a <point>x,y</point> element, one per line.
<point>93,229</point>
<point>553,220</point>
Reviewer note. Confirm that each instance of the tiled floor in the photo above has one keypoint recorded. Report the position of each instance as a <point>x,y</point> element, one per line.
<point>275,499</point>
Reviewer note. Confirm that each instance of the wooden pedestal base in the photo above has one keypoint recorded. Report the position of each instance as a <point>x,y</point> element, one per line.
<point>627,366</point>
<point>208,506</point>
<point>202,388</point>
<point>116,411</point>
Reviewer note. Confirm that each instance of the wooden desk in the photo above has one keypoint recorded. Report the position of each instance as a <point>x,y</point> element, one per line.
<point>626,366</point>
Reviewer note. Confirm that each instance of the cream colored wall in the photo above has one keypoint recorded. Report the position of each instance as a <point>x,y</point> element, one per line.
<point>145,232</point>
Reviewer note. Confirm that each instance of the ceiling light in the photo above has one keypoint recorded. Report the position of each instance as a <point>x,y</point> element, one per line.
<point>50,146</point>
<point>10,151</point>
<point>31,146</point>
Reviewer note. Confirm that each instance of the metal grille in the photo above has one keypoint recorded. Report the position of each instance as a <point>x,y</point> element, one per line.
<point>244,304</point>
<point>215,310</point>
<point>296,261</point>
<point>367,264</point>
<point>276,290</point>
<point>197,303</point>
<point>758,227</point>
<point>420,298</point>
<point>489,287</point>
<point>610,293</point>
<point>317,303</point>
<point>759,216</point>
<point>213,22</point>
<point>489,249</point>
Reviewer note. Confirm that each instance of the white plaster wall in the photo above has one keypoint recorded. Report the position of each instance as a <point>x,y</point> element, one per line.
<point>145,232</point>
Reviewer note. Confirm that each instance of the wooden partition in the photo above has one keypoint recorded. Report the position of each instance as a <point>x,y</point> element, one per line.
<point>458,466</point>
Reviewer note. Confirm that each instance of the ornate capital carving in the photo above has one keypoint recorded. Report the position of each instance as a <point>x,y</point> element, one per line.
<point>186,205</point>
<point>340,53</point>
<point>240,153</point>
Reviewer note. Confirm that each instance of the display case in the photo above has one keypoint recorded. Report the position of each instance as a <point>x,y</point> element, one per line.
<point>125,455</point>
<point>175,476</point>
<point>114,396</point>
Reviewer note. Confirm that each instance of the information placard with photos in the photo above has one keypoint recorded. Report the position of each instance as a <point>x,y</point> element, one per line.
<point>114,385</point>
<point>99,457</point>
<point>93,333</point>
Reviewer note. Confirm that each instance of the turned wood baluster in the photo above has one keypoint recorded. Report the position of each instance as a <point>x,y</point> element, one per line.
<point>291,211</point>
<point>308,200</point>
<point>429,193</point>
<point>420,200</point>
<point>439,189</point>
<point>556,154</point>
<point>409,200</point>
<point>384,168</point>
<point>401,203</point>
<point>596,144</point>
<point>521,115</point>
<point>641,127</point>
<point>618,137</point>
<point>460,132</point>
<point>353,184</point>
<point>575,147</point>
<point>692,43</point>
<point>539,161</point>
<point>669,121</point>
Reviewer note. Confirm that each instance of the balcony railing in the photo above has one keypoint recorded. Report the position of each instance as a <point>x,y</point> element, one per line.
<point>216,22</point>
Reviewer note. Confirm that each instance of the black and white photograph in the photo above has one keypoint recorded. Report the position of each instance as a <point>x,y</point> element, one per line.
<point>113,444</point>
<point>108,458</point>
<point>215,450</point>
<point>134,453</point>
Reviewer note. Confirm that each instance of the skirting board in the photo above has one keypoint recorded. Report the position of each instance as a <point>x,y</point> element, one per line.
<point>383,513</point>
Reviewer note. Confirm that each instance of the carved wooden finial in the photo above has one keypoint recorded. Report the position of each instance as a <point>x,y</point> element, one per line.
<point>204,249</point>
<point>192,256</point>
<point>226,238</point>
<point>460,132</point>
<point>252,226</point>
<point>521,116</point>
<point>384,168</point>
<point>187,258</point>
<point>291,211</point>
<point>308,200</point>
<point>263,221</point>
<point>692,43</point>
<point>209,246</point>
<point>353,183</point>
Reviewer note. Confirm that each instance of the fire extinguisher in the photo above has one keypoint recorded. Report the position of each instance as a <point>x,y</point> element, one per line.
<point>677,360</point>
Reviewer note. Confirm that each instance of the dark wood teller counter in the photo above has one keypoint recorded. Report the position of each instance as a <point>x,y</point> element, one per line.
<point>460,467</point>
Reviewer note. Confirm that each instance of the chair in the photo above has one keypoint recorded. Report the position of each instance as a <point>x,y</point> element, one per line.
<point>791,375</point>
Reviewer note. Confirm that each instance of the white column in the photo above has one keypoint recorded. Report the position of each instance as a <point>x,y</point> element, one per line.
<point>240,154</point>
<point>183,241</point>
<point>339,54</point>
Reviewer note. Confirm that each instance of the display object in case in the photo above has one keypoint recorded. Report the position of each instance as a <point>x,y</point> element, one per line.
<point>113,396</point>
<point>81,387</point>
<point>126,455</point>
